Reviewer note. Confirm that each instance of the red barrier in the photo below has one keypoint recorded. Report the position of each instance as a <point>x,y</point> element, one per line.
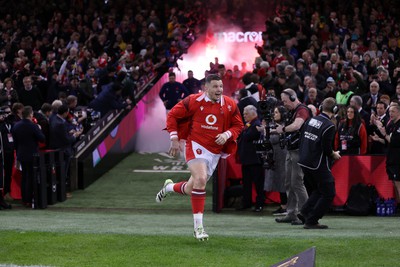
<point>349,170</point>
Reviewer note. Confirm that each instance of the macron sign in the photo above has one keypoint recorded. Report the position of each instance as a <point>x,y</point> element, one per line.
<point>239,37</point>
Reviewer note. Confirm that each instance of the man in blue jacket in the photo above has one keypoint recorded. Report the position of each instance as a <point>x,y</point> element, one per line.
<point>172,92</point>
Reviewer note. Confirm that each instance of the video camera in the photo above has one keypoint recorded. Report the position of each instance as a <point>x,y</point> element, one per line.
<point>263,145</point>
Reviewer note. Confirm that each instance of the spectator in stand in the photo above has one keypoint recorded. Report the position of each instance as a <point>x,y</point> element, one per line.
<point>106,78</point>
<point>386,61</point>
<point>77,115</point>
<point>277,58</point>
<point>26,136</point>
<point>344,94</point>
<point>72,87</point>
<point>357,102</point>
<point>30,95</point>
<point>250,86</point>
<point>172,92</point>
<point>301,71</point>
<point>385,85</point>
<point>8,95</point>
<point>351,136</point>
<point>357,65</point>
<point>292,80</point>
<point>372,98</point>
<point>330,90</point>
<point>313,98</point>
<point>87,87</point>
<point>192,84</point>
<point>396,96</point>
<point>378,145</point>
<point>314,70</point>
<point>110,99</point>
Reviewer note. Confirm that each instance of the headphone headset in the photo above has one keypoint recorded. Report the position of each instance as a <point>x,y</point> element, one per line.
<point>291,97</point>
<point>334,109</point>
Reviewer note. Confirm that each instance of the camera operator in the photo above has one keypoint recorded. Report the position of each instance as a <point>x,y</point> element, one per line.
<point>274,181</point>
<point>316,155</point>
<point>252,165</point>
<point>295,189</point>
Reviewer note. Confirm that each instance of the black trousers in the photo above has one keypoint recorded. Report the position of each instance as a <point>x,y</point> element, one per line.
<point>27,181</point>
<point>323,193</point>
<point>253,173</point>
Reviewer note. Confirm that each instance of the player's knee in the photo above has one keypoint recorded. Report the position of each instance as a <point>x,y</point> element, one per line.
<point>200,182</point>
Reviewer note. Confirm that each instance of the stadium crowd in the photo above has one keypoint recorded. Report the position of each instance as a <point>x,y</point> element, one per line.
<point>350,53</point>
<point>86,57</point>
<point>79,51</point>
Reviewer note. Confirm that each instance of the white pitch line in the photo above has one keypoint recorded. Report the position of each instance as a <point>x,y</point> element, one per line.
<point>166,171</point>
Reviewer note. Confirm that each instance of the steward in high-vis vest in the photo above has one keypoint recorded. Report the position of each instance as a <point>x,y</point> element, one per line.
<point>316,156</point>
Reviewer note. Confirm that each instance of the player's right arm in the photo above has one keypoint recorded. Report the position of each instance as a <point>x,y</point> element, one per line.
<point>176,125</point>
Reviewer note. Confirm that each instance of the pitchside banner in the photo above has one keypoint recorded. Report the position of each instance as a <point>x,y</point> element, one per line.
<point>303,259</point>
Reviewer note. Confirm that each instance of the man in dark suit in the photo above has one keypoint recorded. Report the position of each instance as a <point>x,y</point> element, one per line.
<point>378,144</point>
<point>61,138</point>
<point>27,136</point>
<point>372,98</point>
<point>252,165</point>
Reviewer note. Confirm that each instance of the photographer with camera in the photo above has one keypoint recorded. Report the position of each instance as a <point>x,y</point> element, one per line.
<point>252,165</point>
<point>295,189</point>
<point>274,181</point>
<point>316,155</point>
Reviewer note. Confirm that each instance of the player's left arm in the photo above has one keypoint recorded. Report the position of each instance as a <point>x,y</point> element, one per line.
<point>235,127</point>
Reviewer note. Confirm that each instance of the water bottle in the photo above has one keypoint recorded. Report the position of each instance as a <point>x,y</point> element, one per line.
<point>392,206</point>
<point>383,209</point>
<point>379,207</point>
<point>387,205</point>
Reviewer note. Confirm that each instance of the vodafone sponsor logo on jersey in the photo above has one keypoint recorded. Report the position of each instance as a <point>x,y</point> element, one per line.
<point>239,37</point>
<point>210,120</point>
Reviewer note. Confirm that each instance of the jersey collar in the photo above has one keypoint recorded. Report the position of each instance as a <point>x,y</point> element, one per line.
<point>207,99</point>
